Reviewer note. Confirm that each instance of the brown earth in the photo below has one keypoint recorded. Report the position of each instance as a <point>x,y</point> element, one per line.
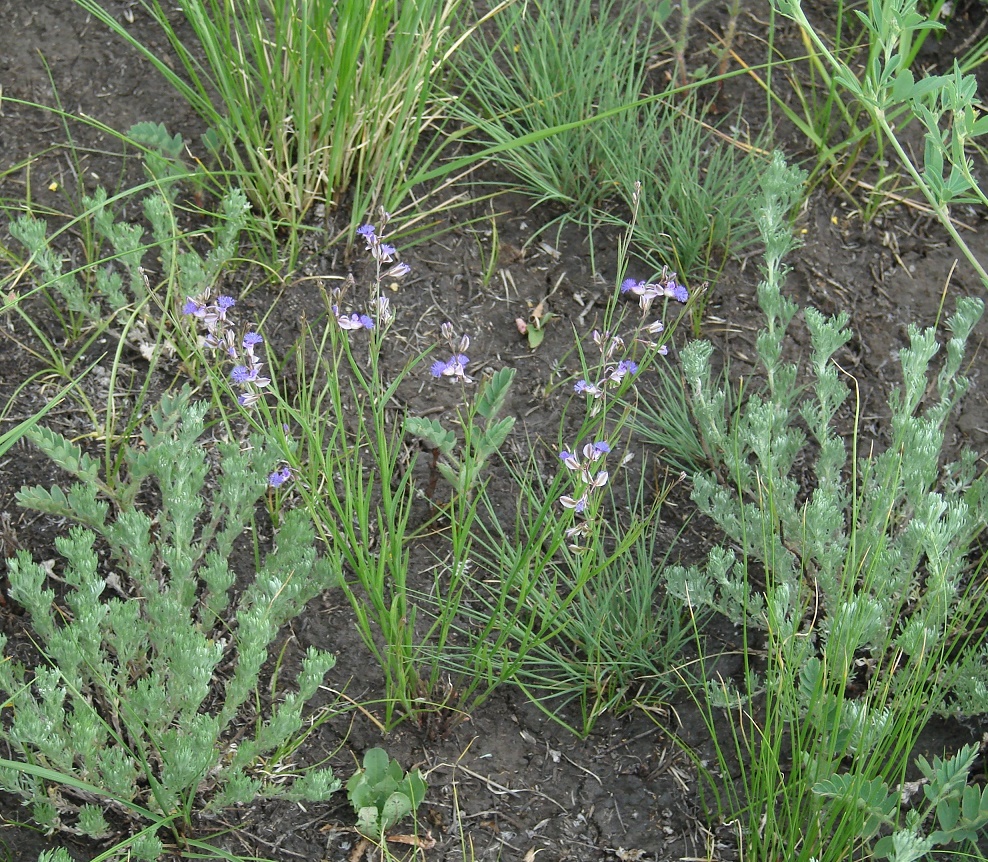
<point>508,782</point>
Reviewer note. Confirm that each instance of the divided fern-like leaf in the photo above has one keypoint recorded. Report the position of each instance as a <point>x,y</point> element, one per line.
<point>431,432</point>
<point>490,401</point>
<point>68,455</point>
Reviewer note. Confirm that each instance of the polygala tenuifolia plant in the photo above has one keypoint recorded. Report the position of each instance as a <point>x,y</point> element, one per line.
<point>527,580</point>
<point>141,704</point>
<point>352,468</point>
<point>860,592</point>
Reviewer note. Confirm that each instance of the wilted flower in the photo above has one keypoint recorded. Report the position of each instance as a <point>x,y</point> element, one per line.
<point>385,313</point>
<point>398,271</point>
<point>653,329</point>
<point>608,344</point>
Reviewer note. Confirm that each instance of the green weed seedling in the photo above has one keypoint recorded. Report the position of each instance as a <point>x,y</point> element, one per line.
<point>111,292</point>
<point>144,701</point>
<point>109,285</point>
<point>383,794</point>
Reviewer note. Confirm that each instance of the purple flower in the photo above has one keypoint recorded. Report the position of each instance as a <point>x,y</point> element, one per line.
<point>355,321</point>
<point>241,375</point>
<point>454,367</point>
<point>624,368</point>
<point>366,231</point>
<point>648,293</point>
<point>570,460</point>
<point>387,251</point>
<point>577,505</point>
<point>279,477</point>
<point>589,481</point>
<point>219,334</point>
<point>583,387</point>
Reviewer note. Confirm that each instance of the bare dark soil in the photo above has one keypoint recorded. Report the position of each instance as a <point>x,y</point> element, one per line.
<point>520,787</point>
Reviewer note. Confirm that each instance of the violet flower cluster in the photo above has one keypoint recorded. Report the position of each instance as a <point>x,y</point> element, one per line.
<point>454,367</point>
<point>615,370</point>
<point>279,477</point>
<point>590,478</point>
<point>648,292</point>
<point>382,252</point>
<point>380,308</point>
<point>246,374</point>
<point>380,312</point>
<point>220,334</point>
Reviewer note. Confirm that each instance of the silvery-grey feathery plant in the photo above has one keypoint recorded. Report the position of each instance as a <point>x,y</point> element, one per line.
<point>860,587</point>
<point>143,699</point>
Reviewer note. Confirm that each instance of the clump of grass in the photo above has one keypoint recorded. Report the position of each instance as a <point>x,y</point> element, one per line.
<point>306,101</point>
<point>605,135</point>
<point>696,188</point>
<point>531,74</point>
